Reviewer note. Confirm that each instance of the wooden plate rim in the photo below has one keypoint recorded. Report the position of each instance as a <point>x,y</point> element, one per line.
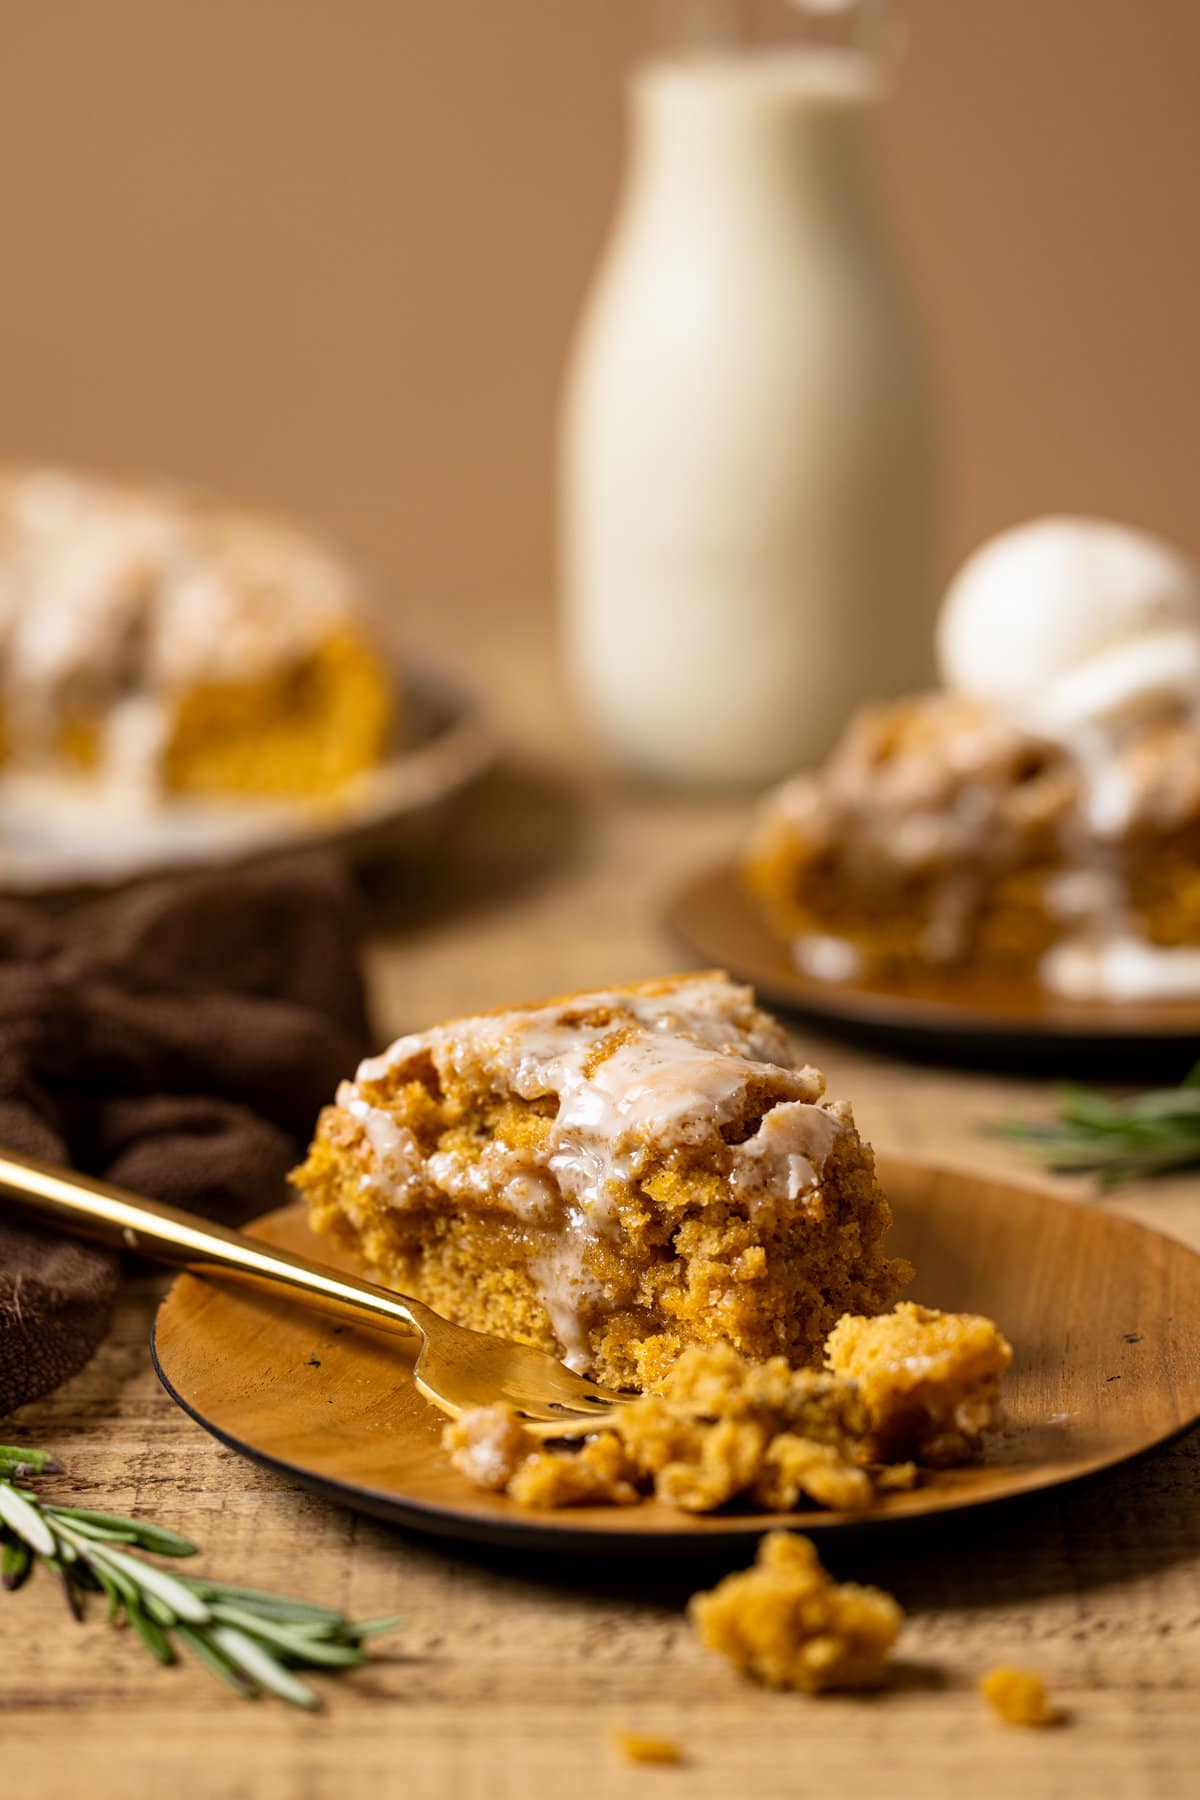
<point>708,1535</point>
<point>932,1012</point>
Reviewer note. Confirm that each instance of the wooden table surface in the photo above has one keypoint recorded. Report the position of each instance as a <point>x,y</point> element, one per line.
<point>510,1676</point>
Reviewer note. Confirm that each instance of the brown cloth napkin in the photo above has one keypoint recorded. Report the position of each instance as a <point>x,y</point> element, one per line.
<point>177,1039</point>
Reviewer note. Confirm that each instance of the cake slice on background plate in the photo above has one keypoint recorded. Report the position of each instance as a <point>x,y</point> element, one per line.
<point>1035,821</point>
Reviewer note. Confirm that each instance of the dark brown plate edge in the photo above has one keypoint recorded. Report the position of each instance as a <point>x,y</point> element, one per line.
<point>569,1540</point>
<point>921,1015</point>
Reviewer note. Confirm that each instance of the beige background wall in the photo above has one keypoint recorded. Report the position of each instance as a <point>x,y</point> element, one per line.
<point>327,252</point>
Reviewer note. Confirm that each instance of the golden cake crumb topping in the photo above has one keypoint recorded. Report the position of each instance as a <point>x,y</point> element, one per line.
<point>641,1748</point>
<point>1019,1696</point>
<point>721,1431</point>
<point>787,1624</point>
<point>930,1380</point>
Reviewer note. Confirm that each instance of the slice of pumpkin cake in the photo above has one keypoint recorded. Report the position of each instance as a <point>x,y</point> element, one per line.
<point>610,1176</point>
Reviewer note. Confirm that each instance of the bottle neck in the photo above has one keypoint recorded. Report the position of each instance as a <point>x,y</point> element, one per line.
<point>753,133</point>
<point>871,27</point>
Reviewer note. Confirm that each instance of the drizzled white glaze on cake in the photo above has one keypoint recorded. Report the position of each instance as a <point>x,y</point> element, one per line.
<point>115,599</point>
<point>631,1076</point>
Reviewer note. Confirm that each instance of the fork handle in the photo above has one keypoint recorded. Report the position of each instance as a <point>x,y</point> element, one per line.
<point>110,1215</point>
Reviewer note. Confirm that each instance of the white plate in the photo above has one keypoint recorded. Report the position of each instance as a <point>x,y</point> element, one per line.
<point>57,835</point>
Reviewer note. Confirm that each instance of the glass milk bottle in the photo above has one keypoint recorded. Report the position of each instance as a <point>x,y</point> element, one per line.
<point>745,456</point>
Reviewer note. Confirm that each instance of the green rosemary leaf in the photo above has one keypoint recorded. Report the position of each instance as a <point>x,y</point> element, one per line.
<point>272,1606</point>
<point>19,1459</point>
<point>108,1586</point>
<point>151,1633</point>
<point>298,1646</point>
<point>322,1632</point>
<point>375,1627</point>
<point>256,1661</point>
<point>1148,1134</point>
<point>16,1563</point>
<point>70,1591</point>
<point>148,1537</point>
<point>110,1577</point>
<point>249,1638</point>
<point>213,1660</point>
<point>1079,1106</point>
<point>159,1611</point>
<point>22,1517</point>
<point>182,1602</point>
<point>97,1533</point>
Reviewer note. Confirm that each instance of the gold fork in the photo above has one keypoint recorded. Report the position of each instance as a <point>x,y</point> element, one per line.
<point>455,1368</point>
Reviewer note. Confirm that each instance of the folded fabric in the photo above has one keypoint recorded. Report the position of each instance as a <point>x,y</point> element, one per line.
<point>177,1039</point>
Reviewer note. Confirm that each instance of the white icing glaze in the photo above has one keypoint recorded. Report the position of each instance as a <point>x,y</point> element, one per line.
<point>825,957</point>
<point>572,1298</point>
<point>793,1142</point>
<point>1120,968</point>
<point>397,1153</point>
<point>1155,674</point>
<point>1086,893</point>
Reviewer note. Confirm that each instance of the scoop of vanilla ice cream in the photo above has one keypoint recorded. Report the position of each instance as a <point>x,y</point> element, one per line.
<point>1067,622</point>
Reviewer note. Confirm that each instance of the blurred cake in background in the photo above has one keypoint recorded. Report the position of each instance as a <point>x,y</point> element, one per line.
<point>1039,818</point>
<point>159,642</point>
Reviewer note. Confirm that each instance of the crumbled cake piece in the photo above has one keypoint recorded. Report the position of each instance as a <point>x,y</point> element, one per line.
<point>596,1473</point>
<point>930,1380</point>
<point>156,640</point>
<point>785,1622</point>
<point>488,1444</point>
<point>640,1748</point>
<point>924,843</point>
<point>611,1177</point>
<point>1019,1696</point>
<point>722,1430</point>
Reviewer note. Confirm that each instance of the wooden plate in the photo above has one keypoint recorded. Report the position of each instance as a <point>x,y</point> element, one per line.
<point>1104,1316</point>
<point>964,1016</point>
<point>56,839</point>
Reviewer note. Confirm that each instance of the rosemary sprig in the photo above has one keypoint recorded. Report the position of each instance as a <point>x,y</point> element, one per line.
<point>251,1640</point>
<point>1117,1140</point>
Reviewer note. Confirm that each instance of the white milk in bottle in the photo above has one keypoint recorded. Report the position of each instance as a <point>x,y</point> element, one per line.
<point>745,457</point>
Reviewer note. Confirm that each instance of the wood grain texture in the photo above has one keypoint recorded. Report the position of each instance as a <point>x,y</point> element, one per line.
<point>511,1671</point>
<point>1103,1314</point>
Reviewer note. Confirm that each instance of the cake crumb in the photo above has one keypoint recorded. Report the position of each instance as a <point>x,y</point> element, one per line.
<point>1019,1696</point>
<point>785,1622</point>
<point>488,1444</point>
<point>722,1430</point>
<point>914,1385</point>
<point>641,1748</point>
<point>930,1380</point>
